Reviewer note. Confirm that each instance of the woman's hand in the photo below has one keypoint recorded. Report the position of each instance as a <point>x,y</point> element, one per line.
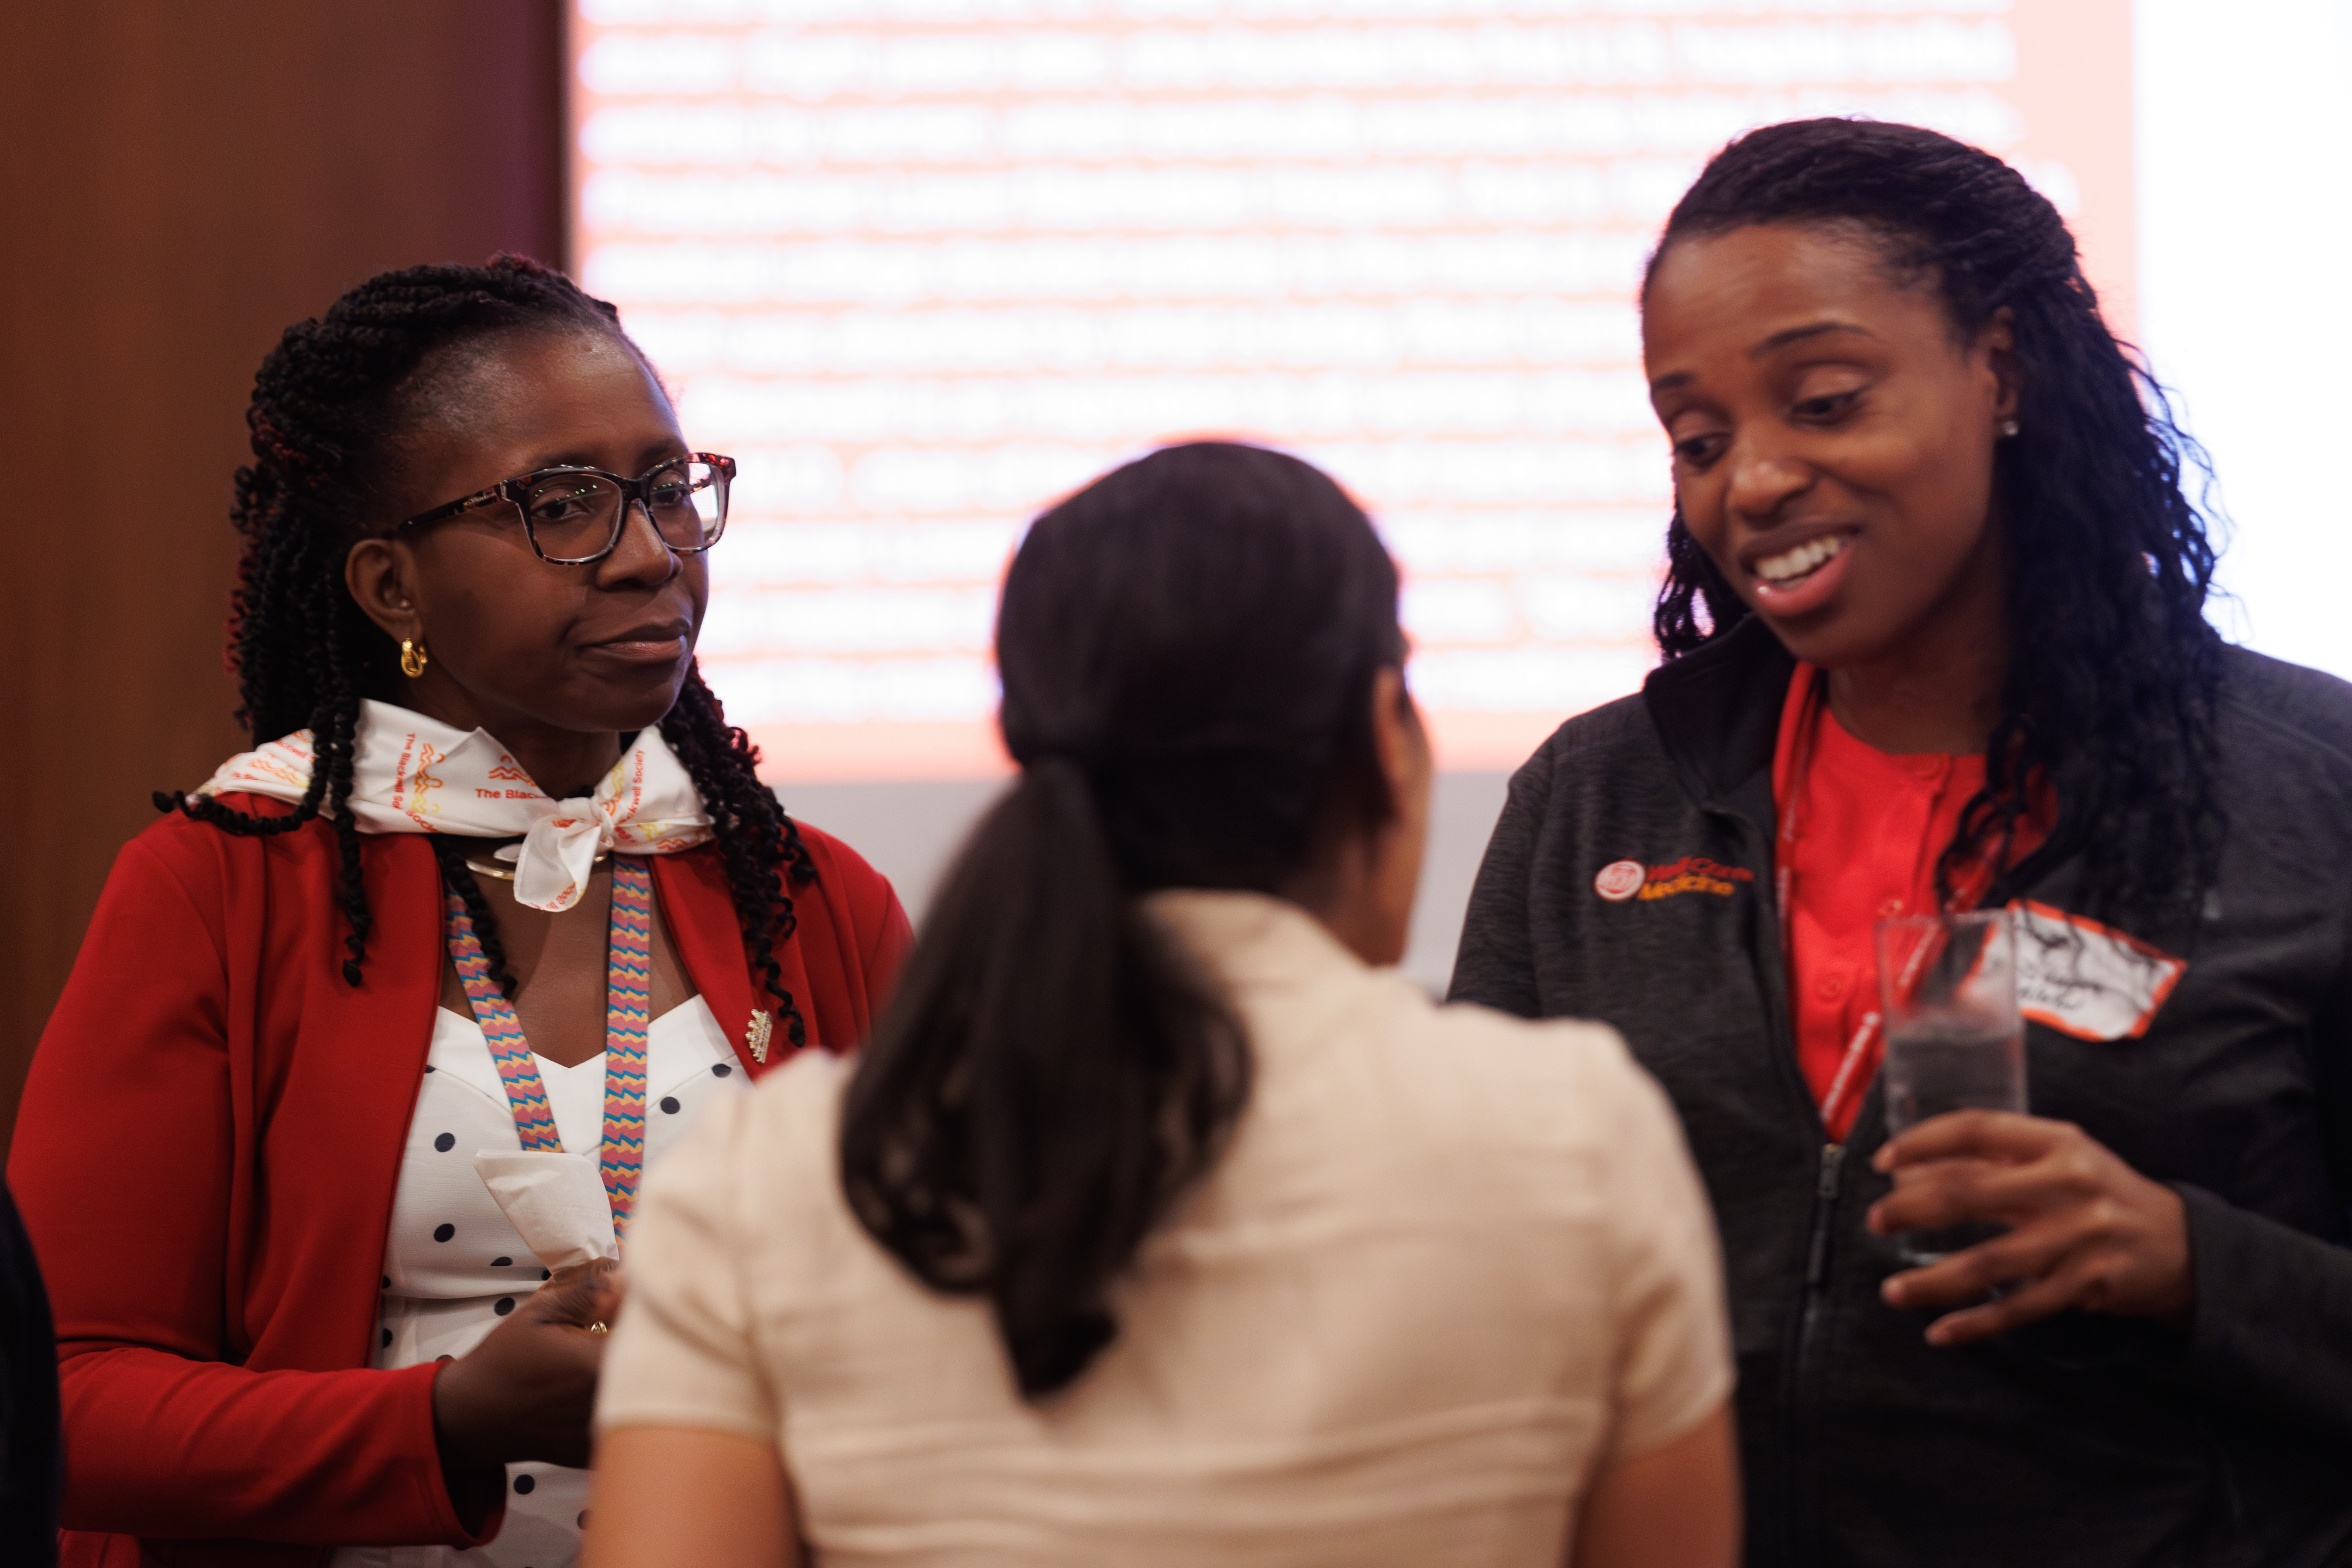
<point>528,1390</point>
<point>2085,1230</point>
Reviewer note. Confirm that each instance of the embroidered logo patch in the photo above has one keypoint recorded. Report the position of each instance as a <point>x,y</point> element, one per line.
<point>2083,979</point>
<point>1622,879</point>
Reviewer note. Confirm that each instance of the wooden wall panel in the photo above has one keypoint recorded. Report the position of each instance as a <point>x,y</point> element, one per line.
<point>179,180</point>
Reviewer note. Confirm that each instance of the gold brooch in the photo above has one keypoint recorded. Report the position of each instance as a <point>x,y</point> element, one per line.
<point>756,1037</point>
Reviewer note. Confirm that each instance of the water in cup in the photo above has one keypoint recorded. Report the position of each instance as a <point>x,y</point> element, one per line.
<point>1936,1065</point>
<point>1955,1041</point>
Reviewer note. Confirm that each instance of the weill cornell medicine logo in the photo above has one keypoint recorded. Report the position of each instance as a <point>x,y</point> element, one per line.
<point>1622,879</point>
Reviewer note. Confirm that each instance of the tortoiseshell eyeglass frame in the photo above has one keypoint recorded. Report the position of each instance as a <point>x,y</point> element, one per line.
<point>637,492</point>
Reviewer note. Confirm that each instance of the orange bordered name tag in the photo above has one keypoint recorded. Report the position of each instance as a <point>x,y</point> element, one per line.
<point>2087,980</point>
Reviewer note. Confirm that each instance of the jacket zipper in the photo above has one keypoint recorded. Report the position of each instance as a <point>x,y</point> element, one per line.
<point>1803,1493</point>
<point>1800,1452</point>
<point>1817,1251</point>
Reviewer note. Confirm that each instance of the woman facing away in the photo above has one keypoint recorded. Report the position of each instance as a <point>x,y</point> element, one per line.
<point>372,1035</point>
<point>1935,638</point>
<point>1159,1225</point>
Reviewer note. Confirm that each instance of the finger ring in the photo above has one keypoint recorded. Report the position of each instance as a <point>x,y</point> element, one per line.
<point>599,1327</point>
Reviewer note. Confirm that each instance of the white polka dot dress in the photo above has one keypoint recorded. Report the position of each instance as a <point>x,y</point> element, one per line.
<point>453,1265</point>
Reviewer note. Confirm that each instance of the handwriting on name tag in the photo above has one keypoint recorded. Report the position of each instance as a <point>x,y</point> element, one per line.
<point>2088,980</point>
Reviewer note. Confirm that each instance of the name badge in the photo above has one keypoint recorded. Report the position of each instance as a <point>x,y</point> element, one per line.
<point>2087,980</point>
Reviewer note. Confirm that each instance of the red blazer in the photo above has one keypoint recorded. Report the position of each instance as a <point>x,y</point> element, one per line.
<point>205,1159</point>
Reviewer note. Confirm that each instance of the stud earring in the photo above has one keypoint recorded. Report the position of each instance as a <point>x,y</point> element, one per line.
<point>413,659</point>
<point>2009,427</point>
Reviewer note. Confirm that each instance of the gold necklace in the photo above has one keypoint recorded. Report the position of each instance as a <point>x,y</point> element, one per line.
<point>507,873</point>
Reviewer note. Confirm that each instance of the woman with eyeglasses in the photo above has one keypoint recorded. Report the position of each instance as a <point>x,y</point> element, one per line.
<point>346,1102</point>
<point>1161,1224</point>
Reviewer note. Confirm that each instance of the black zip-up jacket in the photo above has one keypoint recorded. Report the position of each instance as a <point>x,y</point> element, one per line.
<point>2084,1439</point>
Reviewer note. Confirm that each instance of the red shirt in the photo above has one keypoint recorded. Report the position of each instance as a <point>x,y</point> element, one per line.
<point>1860,831</point>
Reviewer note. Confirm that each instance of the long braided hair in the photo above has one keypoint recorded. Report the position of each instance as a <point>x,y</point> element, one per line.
<point>328,405</point>
<point>2113,672</point>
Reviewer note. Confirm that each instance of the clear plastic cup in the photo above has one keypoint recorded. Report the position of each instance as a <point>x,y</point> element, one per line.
<point>1955,1040</point>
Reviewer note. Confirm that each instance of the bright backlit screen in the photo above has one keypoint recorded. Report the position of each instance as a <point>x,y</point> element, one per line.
<point>922,266</point>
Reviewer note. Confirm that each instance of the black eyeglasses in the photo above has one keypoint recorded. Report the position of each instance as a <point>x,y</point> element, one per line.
<point>575,515</point>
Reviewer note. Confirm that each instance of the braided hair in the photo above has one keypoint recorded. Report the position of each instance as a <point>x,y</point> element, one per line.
<point>2114,671</point>
<point>328,405</point>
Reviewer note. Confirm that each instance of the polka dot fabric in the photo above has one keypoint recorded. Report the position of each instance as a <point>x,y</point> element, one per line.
<point>454,1266</point>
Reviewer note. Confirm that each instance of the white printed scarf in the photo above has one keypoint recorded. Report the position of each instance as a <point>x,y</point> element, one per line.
<point>415,774</point>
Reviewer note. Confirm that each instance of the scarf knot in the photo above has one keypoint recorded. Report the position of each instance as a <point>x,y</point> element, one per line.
<point>415,774</point>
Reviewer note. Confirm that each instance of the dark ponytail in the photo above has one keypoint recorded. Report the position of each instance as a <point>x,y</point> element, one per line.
<point>1188,648</point>
<point>1065,1079</point>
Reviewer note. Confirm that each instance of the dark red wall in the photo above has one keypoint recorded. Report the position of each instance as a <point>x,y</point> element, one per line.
<point>179,180</point>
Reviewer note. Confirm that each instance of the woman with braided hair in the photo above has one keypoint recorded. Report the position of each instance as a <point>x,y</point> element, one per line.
<point>343,1108</point>
<point>1935,639</point>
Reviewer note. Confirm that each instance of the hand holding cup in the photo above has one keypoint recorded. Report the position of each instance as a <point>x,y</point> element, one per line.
<point>2085,1230</point>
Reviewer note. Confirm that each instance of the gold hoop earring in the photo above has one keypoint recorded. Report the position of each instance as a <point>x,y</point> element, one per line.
<point>413,659</point>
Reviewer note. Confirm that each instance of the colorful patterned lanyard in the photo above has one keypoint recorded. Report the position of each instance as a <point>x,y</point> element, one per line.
<point>628,1008</point>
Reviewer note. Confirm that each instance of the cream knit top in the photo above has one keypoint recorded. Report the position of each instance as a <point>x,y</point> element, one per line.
<point>1449,1264</point>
